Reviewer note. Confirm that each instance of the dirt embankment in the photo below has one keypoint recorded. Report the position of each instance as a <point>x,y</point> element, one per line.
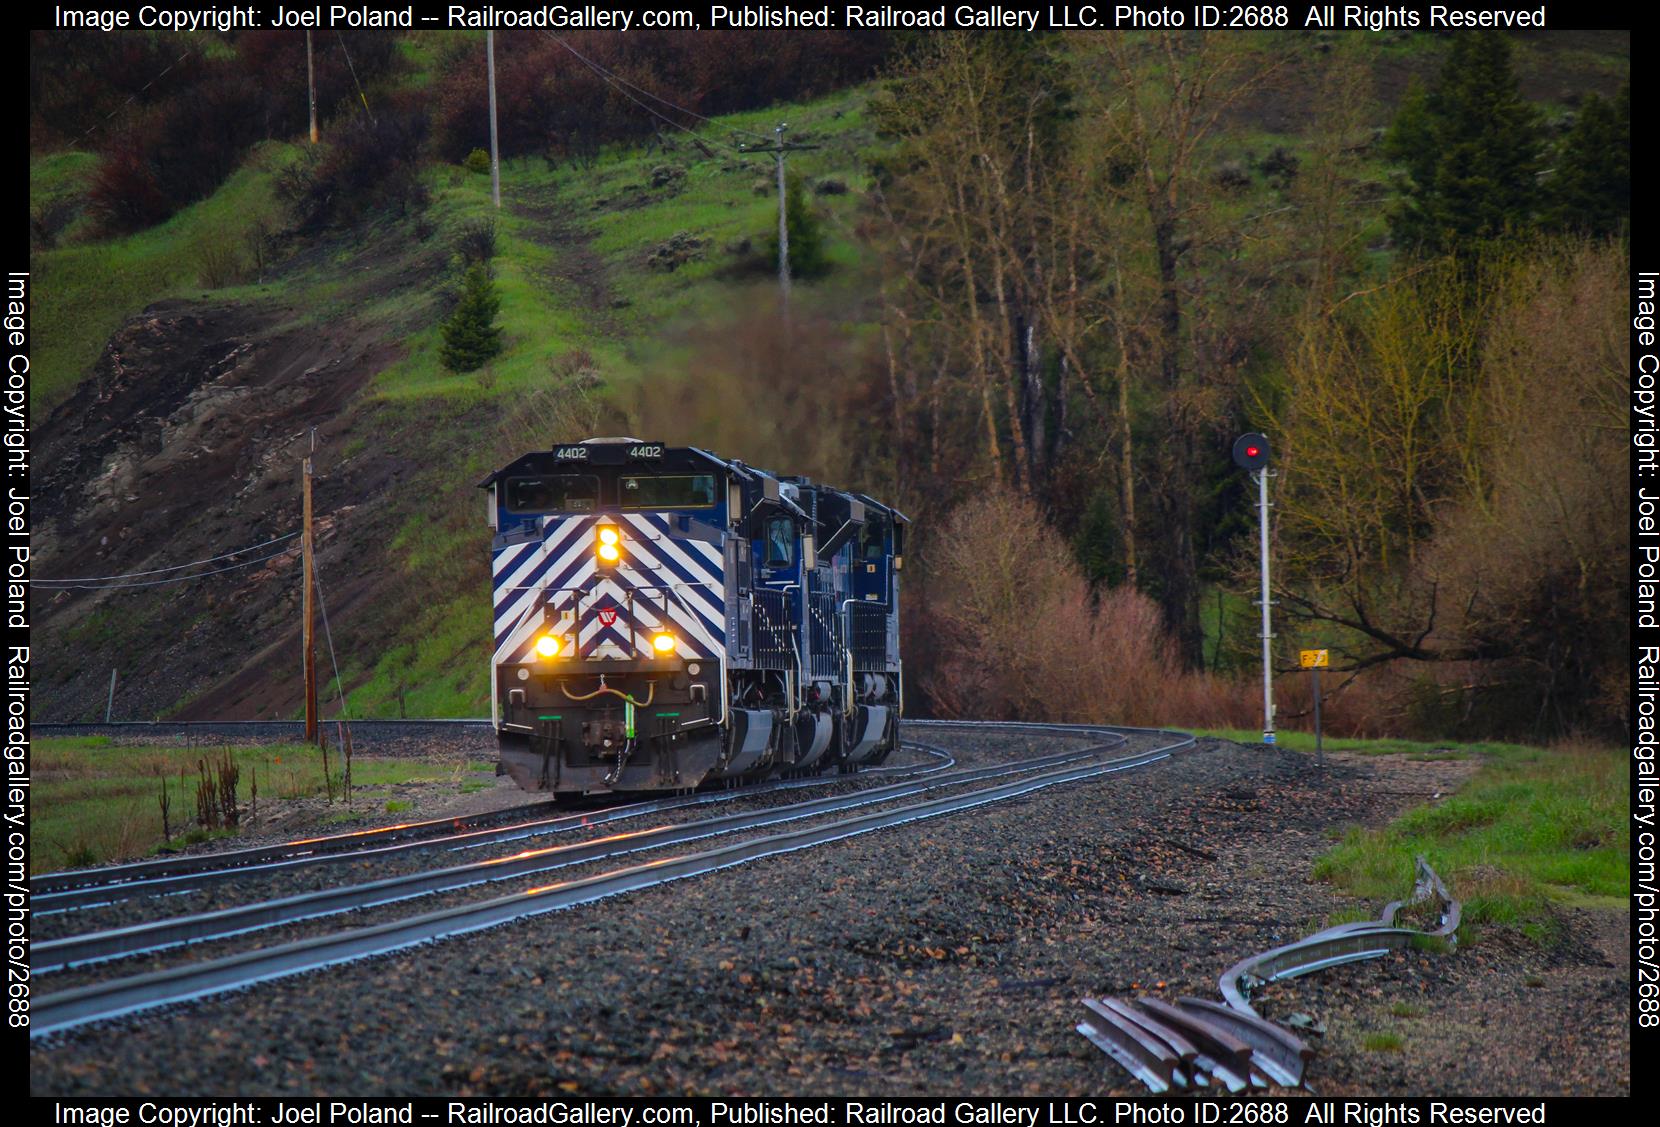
<point>183,444</point>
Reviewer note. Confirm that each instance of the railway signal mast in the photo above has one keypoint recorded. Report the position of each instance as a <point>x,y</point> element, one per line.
<point>1250,453</point>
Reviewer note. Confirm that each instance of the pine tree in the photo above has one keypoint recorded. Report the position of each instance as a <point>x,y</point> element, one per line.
<point>1590,188</point>
<point>471,337</point>
<point>807,257</point>
<point>1471,149</point>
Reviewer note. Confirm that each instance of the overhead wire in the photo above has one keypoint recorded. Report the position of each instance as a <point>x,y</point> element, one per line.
<point>617,82</point>
<point>131,98</point>
<point>355,82</point>
<point>81,585</point>
<point>175,567</point>
<point>322,603</point>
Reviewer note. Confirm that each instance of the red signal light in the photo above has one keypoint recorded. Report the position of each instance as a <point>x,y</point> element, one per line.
<point>1250,451</point>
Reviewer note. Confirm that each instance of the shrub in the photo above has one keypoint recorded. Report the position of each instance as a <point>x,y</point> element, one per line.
<point>368,164</point>
<point>477,242</point>
<point>218,261</point>
<point>1024,637</point>
<point>477,161</point>
<point>471,337</point>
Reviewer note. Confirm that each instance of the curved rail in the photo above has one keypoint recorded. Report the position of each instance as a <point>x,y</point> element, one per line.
<point>98,1001</point>
<point>157,935</point>
<point>87,888</point>
<point>1344,943</point>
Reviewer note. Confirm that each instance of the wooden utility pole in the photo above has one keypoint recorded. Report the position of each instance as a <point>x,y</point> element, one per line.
<point>495,153</point>
<point>311,85</point>
<point>308,629</point>
<point>778,148</point>
<point>783,218</point>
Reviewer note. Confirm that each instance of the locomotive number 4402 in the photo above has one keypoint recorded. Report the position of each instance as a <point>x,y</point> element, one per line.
<point>645,451</point>
<point>571,453</point>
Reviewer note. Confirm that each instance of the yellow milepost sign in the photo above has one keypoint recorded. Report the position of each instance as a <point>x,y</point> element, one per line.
<point>1314,659</point>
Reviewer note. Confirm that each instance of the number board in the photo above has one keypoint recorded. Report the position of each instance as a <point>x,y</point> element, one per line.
<point>1315,659</point>
<point>649,450</point>
<point>572,453</point>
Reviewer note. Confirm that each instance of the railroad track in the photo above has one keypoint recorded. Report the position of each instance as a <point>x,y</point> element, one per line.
<point>97,946</point>
<point>88,888</point>
<point>118,996</point>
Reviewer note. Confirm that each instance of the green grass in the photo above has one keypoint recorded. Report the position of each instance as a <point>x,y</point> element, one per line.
<point>1383,1042</point>
<point>1534,829</point>
<point>84,291</point>
<point>545,313</point>
<point>1304,741</point>
<point>95,801</point>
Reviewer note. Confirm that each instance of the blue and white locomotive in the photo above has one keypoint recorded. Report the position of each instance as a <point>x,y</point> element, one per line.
<point>665,619</point>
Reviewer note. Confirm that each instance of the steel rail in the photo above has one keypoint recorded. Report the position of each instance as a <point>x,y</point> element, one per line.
<point>69,1008</point>
<point>182,874</point>
<point>47,884</point>
<point>1344,943</point>
<point>98,946</point>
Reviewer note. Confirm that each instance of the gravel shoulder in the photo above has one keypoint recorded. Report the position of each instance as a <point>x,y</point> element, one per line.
<point>940,957</point>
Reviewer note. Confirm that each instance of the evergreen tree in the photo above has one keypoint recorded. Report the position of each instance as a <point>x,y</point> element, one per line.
<point>807,257</point>
<point>471,337</point>
<point>1471,149</point>
<point>1590,189</point>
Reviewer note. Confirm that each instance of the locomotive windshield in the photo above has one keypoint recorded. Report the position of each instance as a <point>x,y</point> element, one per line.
<point>780,548</point>
<point>552,494</point>
<point>684,491</point>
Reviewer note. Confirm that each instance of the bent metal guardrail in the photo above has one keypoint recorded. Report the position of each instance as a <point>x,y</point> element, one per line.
<point>1195,1043</point>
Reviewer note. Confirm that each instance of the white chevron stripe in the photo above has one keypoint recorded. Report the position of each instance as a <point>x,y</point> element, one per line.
<point>563,540</point>
<point>511,556</point>
<point>642,571</point>
<point>709,590</point>
<point>515,641</point>
<point>705,563</point>
<point>516,600</point>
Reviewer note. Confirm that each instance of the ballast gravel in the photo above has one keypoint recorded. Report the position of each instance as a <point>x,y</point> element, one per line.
<point>938,957</point>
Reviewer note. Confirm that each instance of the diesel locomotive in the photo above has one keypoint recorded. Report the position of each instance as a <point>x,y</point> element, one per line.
<point>667,619</point>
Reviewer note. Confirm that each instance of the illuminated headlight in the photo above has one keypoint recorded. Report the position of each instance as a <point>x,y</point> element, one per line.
<point>608,544</point>
<point>547,645</point>
<point>663,643</point>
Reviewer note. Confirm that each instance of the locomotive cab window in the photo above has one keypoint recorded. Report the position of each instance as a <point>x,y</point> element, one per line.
<point>780,542</point>
<point>872,537</point>
<point>681,491</point>
<point>552,493</point>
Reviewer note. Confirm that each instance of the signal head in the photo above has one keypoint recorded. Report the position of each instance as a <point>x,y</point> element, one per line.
<point>1250,451</point>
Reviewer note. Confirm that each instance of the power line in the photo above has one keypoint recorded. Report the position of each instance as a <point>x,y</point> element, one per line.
<point>174,567</point>
<point>613,79</point>
<point>76,585</point>
<point>131,98</point>
<point>355,82</point>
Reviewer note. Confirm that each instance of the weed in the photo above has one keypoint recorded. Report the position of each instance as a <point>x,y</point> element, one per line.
<point>1404,1009</point>
<point>1383,1043</point>
<point>396,805</point>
